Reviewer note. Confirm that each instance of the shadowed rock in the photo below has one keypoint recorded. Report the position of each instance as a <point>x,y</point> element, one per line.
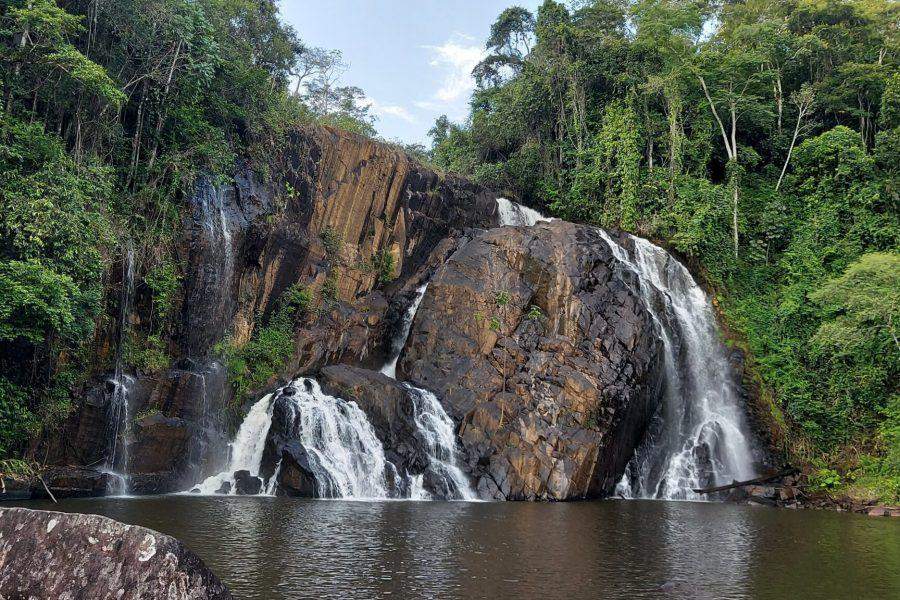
<point>50,555</point>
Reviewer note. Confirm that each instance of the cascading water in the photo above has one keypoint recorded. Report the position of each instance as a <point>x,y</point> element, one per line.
<point>118,420</point>
<point>437,428</point>
<point>399,341</point>
<point>515,214</point>
<point>697,439</point>
<point>433,422</point>
<point>345,455</point>
<point>245,452</point>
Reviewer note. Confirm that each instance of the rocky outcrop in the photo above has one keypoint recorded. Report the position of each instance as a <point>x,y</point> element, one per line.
<point>66,555</point>
<point>544,355</point>
<point>333,206</point>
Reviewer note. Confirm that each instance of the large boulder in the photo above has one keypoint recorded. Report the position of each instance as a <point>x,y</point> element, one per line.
<point>67,555</point>
<point>537,344</point>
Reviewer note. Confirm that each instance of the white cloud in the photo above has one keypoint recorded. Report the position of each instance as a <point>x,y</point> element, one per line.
<point>390,110</point>
<point>455,58</point>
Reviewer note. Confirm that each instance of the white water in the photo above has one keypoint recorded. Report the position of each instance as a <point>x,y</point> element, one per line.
<point>397,344</point>
<point>119,419</point>
<point>515,214</point>
<point>437,428</point>
<point>697,439</point>
<point>345,455</point>
<point>433,422</point>
<point>246,451</point>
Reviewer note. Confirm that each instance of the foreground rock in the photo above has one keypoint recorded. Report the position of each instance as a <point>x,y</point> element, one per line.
<point>65,555</point>
<point>537,346</point>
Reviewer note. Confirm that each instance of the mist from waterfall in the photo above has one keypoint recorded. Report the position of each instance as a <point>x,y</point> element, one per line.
<point>697,439</point>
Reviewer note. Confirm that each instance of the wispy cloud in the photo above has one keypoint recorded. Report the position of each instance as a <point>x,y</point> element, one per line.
<point>389,110</point>
<point>455,58</point>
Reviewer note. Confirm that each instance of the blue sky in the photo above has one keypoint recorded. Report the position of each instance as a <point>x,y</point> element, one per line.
<point>413,58</point>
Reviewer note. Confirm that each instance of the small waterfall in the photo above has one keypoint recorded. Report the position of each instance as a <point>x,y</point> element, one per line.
<point>697,438</point>
<point>515,214</point>
<point>345,455</point>
<point>246,451</point>
<point>399,341</point>
<point>437,428</point>
<point>118,418</point>
<point>433,422</point>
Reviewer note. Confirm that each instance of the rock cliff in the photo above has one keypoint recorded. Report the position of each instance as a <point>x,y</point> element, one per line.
<point>544,354</point>
<point>334,202</point>
<point>535,345</point>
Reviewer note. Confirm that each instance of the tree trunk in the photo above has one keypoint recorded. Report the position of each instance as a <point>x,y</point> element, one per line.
<point>734,216</point>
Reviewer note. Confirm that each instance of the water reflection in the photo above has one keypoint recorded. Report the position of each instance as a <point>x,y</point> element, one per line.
<point>280,548</point>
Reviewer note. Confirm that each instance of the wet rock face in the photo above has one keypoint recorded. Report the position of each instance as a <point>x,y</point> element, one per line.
<point>544,355</point>
<point>242,245</point>
<point>61,555</point>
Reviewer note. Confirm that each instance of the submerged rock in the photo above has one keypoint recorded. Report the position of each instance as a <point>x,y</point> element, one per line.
<point>66,555</point>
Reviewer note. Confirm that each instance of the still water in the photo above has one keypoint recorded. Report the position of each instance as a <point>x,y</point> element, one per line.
<point>270,548</point>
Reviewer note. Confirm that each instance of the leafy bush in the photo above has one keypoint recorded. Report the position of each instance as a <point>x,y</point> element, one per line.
<point>164,281</point>
<point>383,263</point>
<point>263,356</point>
<point>16,420</point>
<point>825,480</point>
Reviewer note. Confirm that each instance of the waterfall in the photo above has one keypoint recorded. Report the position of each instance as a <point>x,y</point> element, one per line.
<point>434,424</point>
<point>245,452</point>
<point>118,418</point>
<point>437,428</point>
<point>399,340</point>
<point>697,439</point>
<point>345,455</point>
<point>515,214</point>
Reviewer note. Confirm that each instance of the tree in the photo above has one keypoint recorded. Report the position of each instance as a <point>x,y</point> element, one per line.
<point>732,79</point>
<point>863,308</point>
<point>508,44</point>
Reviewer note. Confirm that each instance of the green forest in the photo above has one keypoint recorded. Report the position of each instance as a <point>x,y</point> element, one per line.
<point>757,139</point>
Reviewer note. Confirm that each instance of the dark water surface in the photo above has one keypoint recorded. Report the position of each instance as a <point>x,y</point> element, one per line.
<point>279,548</point>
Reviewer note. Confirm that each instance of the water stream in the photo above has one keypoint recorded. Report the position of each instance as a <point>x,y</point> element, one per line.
<point>245,452</point>
<point>118,418</point>
<point>697,440</point>
<point>513,214</point>
<point>345,455</point>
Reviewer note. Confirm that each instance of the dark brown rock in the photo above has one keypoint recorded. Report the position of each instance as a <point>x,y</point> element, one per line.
<point>551,406</point>
<point>50,555</point>
<point>247,484</point>
<point>243,244</point>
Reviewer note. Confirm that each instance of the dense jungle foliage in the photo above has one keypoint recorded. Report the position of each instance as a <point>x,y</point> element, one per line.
<point>760,139</point>
<point>109,110</point>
